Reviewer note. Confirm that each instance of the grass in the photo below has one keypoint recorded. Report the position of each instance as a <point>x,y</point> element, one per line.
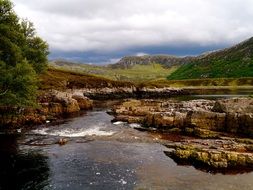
<point>215,82</point>
<point>137,73</point>
<point>234,62</point>
<point>62,80</point>
<point>68,77</point>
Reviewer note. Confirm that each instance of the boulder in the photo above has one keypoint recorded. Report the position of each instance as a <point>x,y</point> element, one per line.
<point>83,102</point>
<point>206,120</point>
<point>203,153</point>
<point>240,123</point>
<point>234,105</point>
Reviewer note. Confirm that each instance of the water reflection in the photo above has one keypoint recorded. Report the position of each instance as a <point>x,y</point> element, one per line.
<point>21,170</point>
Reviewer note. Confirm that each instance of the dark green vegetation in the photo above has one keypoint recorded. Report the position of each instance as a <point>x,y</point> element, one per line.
<point>22,56</point>
<point>233,62</point>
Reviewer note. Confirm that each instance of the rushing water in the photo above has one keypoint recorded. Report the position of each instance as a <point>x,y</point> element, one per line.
<point>100,155</point>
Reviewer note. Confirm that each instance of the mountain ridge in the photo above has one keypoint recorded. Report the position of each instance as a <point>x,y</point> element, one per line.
<point>236,61</point>
<point>171,60</point>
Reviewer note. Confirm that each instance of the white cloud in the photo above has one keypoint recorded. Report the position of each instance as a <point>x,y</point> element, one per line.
<point>139,54</point>
<point>109,25</point>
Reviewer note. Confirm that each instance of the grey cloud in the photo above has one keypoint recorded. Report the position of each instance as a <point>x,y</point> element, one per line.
<point>110,25</point>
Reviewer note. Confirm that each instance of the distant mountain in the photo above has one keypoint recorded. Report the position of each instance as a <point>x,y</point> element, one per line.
<point>236,61</point>
<point>165,60</point>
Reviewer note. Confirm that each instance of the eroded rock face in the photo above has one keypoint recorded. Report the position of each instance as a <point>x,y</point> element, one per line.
<point>60,103</point>
<point>213,121</point>
<point>112,93</point>
<point>84,103</point>
<point>196,117</point>
<point>206,120</point>
<point>213,153</point>
<point>52,104</point>
<point>234,105</point>
<point>65,102</point>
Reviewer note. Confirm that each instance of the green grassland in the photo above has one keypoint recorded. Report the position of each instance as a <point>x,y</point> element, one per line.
<point>62,80</point>
<point>137,73</point>
<point>234,62</point>
<point>203,83</point>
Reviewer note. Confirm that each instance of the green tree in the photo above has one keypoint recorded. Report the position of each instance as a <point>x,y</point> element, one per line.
<point>35,49</point>
<point>22,55</point>
<point>18,85</point>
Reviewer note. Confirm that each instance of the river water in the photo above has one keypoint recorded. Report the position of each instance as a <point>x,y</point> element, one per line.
<point>100,155</point>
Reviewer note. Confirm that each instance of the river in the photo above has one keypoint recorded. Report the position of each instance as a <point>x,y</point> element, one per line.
<point>100,155</point>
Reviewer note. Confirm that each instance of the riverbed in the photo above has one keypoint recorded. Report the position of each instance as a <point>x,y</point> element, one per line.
<point>100,155</point>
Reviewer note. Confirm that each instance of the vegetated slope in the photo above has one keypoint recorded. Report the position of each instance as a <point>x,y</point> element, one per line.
<point>165,60</point>
<point>136,73</point>
<point>62,80</point>
<point>202,83</point>
<point>235,62</point>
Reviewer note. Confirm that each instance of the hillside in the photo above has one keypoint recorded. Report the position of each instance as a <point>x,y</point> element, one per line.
<point>136,73</point>
<point>165,60</point>
<point>236,62</point>
<point>62,80</point>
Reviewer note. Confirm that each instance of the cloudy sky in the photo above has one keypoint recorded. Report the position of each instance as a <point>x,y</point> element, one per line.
<point>102,31</point>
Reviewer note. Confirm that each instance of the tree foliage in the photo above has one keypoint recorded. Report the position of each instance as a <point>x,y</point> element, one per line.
<point>22,55</point>
<point>18,85</point>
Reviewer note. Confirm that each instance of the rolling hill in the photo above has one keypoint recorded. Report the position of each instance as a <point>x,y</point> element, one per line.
<point>167,61</point>
<point>135,73</point>
<point>235,62</point>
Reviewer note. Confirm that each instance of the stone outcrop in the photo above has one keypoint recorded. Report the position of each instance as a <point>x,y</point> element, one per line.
<point>235,105</point>
<point>113,93</point>
<point>213,153</point>
<point>204,118</point>
<point>213,121</point>
<point>64,103</point>
<point>52,104</point>
<point>83,102</point>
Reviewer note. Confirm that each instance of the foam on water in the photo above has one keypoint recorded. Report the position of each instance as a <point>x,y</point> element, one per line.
<point>119,123</point>
<point>95,131</point>
<point>135,125</point>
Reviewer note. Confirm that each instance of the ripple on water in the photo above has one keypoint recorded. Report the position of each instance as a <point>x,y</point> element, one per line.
<point>81,132</point>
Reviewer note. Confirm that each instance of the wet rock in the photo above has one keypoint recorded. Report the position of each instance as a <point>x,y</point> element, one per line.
<point>240,123</point>
<point>234,105</point>
<point>83,102</point>
<point>212,121</point>
<point>129,119</point>
<point>217,154</point>
<point>69,105</point>
<point>203,118</point>
<point>129,91</point>
<point>206,120</point>
<point>53,104</point>
<point>62,141</point>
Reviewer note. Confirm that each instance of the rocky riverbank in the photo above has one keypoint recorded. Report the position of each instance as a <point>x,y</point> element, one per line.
<point>213,154</point>
<point>113,93</point>
<point>203,118</point>
<point>208,120</point>
<point>52,105</point>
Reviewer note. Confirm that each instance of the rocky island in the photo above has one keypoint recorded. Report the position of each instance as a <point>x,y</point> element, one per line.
<point>221,128</point>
